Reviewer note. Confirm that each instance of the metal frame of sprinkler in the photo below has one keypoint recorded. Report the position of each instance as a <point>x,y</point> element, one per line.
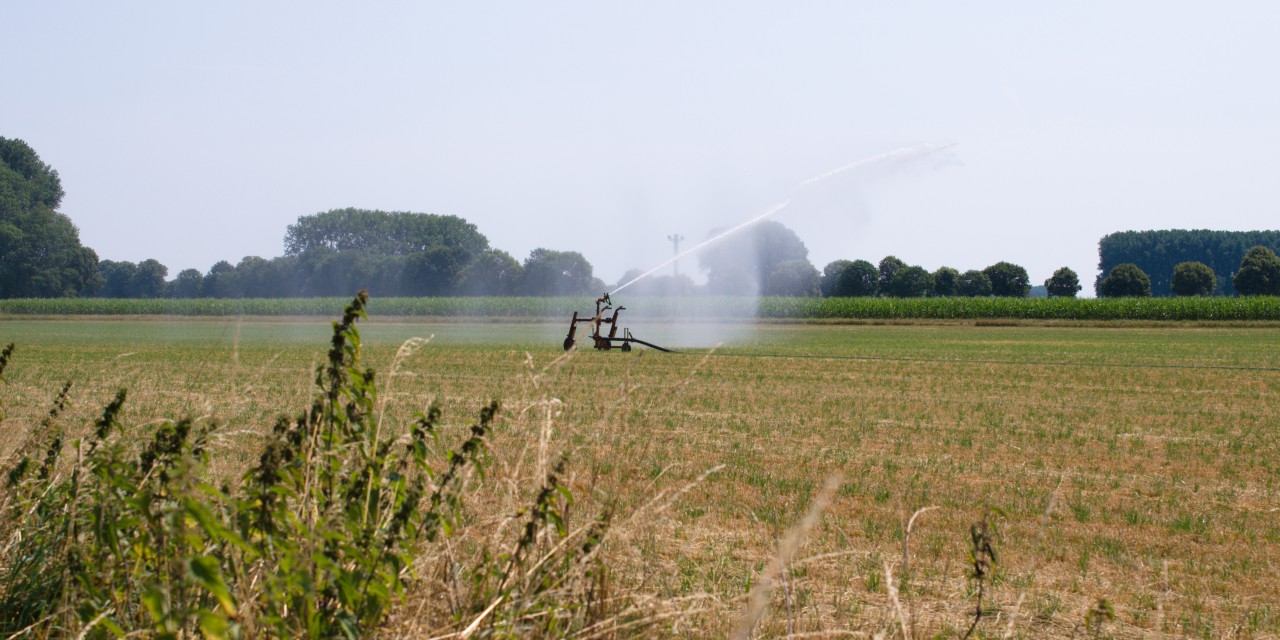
<point>601,341</point>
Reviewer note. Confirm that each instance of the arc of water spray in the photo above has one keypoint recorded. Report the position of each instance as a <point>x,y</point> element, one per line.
<point>897,156</point>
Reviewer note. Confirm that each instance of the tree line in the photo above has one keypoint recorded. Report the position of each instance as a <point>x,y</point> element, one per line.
<point>1258,274</point>
<point>411,254</point>
<point>1157,253</point>
<point>388,253</point>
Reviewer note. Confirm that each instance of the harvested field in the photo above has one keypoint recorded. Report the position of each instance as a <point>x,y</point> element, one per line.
<point>1135,465</point>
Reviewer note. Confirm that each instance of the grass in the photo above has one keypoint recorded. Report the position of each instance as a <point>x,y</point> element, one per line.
<point>1134,466</point>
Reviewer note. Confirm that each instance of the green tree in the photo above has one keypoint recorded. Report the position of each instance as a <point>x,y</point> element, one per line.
<point>381,232</point>
<point>40,251</point>
<point>492,273</point>
<point>1125,281</point>
<point>186,285</point>
<point>946,282</point>
<point>386,252</point>
<point>793,278</point>
<point>1193,279</point>
<point>975,284</point>
<point>1158,252</point>
<point>741,262</point>
<point>863,278</point>
<point>221,281</point>
<point>557,273</point>
<point>911,282</point>
<point>148,279</point>
<point>261,278</point>
<point>889,265</point>
<point>842,278</point>
<point>1008,280</point>
<point>117,278</point>
<point>434,271</point>
<point>831,274</point>
<point>1259,273</point>
<point>1064,283</point>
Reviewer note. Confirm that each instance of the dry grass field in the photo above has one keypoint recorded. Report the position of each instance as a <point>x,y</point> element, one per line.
<point>1131,472</point>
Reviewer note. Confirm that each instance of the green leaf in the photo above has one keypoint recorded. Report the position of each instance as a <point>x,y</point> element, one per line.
<point>205,571</point>
<point>214,529</point>
<point>212,625</point>
<point>154,601</point>
<point>114,628</point>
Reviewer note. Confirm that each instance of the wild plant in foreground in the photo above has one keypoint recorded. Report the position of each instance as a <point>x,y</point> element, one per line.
<point>982,557</point>
<point>99,538</point>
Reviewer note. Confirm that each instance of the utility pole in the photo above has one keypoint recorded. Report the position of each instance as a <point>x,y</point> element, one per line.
<point>675,245</point>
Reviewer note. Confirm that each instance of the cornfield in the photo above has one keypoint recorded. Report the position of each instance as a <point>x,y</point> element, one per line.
<point>710,308</point>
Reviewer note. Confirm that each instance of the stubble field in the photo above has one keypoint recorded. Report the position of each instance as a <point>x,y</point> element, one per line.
<point>1133,465</point>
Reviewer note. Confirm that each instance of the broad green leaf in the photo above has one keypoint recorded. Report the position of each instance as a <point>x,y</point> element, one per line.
<point>212,625</point>
<point>205,571</point>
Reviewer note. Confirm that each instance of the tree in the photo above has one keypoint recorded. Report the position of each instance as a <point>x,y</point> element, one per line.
<point>381,232</point>
<point>389,253</point>
<point>946,282</point>
<point>889,265</point>
<point>911,282</point>
<point>1193,279</point>
<point>261,278</point>
<point>1008,280</point>
<point>831,274</point>
<point>1125,281</point>
<point>556,273</point>
<point>40,251</point>
<point>492,273</point>
<point>1064,283</point>
<point>117,279</point>
<point>1259,273</point>
<point>148,279</point>
<point>793,278</point>
<point>186,285</point>
<point>221,282</point>
<point>1158,252</point>
<point>863,279</point>
<point>975,284</point>
<point>741,262</point>
<point>842,278</point>
<point>434,271</point>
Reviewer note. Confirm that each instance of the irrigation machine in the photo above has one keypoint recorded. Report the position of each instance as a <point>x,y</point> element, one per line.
<point>603,317</point>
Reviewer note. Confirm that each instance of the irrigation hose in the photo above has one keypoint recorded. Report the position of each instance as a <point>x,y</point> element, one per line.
<point>1015,363</point>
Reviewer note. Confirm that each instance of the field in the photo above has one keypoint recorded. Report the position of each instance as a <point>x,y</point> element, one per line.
<point>1139,466</point>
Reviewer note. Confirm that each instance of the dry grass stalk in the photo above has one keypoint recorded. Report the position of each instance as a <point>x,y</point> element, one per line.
<point>758,601</point>
<point>906,541</point>
<point>1013,617</point>
<point>892,588</point>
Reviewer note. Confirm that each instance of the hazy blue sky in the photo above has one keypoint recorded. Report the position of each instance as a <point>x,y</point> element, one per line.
<point>193,132</point>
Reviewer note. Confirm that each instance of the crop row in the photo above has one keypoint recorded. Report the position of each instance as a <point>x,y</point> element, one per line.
<point>1182,309</point>
<point>1179,309</point>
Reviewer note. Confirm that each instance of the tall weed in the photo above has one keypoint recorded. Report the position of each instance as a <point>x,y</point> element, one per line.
<point>116,533</point>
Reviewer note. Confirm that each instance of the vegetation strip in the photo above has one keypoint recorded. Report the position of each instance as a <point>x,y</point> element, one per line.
<point>1013,363</point>
<point>1265,308</point>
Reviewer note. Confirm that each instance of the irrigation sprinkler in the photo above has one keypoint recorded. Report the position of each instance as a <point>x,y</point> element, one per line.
<point>602,317</point>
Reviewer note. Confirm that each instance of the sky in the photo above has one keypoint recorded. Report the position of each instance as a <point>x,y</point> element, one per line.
<point>197,132</point>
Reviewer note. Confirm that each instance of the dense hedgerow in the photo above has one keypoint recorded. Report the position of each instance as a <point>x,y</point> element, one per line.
<point>1176,309</point>
<point>712,308</point>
